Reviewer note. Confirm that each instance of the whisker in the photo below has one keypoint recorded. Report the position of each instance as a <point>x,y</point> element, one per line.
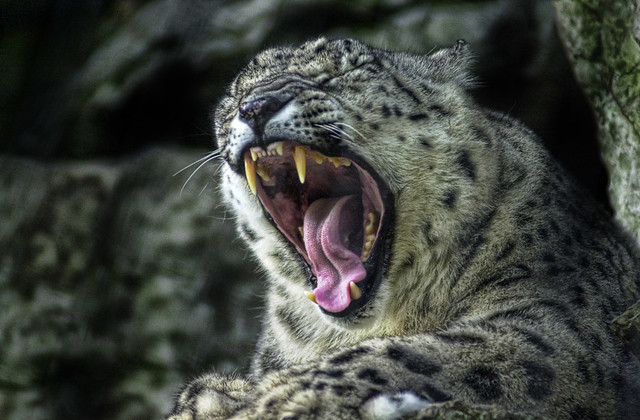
<point>327,127</point>
<point>203,188</point>
<point>337,131</point>
<point>351,127</point>
<point>213,154</point>
<point>209,159</point>
<point>342,131</point>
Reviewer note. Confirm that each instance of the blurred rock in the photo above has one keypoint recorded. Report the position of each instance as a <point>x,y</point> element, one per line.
<point>602,39</point>
<point>116,286</point>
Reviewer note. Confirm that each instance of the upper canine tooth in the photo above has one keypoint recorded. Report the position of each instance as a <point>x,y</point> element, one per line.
<point>354,291</point>
<point>250,173</point>
<point>300,158</point>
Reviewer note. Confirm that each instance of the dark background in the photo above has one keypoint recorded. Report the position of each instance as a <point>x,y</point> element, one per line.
<point>118,281</point>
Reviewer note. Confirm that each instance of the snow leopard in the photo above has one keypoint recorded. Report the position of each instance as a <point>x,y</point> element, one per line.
<point>418,249</point>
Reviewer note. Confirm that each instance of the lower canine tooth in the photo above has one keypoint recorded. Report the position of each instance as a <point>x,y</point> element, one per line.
<point>263,172</point>
<point>312,297</point>
<point>354,291</point>
<point>250,173</point>
<point>300,158</point>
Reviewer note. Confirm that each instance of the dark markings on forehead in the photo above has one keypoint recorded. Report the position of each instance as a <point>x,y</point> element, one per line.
<point>405,89</point>
<point>478,134</point>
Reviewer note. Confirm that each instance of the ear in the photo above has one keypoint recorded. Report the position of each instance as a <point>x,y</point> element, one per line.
<point>454,62</point>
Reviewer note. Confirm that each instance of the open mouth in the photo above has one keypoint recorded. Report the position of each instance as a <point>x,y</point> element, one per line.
<point>336,214</point>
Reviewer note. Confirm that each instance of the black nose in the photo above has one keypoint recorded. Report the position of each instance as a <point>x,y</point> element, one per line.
<point>257,111</point>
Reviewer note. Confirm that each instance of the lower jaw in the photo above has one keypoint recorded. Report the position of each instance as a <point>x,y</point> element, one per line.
<point>377,269</point>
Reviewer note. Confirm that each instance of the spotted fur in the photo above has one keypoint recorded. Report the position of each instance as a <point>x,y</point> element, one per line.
<point>503,275</point>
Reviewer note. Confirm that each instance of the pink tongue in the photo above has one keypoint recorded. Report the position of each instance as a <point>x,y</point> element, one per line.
<point>325,224</point>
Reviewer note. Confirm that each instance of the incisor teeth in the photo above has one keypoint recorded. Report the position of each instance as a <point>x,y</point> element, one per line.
<point>280,148</point>
<point>354,291</point>
<point>257,152</point>
<point>335,161</point>
<point>300,158</point>
<point>250,173</point>
<point>312,297</point>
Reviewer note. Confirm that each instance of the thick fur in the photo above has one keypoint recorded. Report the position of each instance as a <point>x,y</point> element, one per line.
<point>503,276</point>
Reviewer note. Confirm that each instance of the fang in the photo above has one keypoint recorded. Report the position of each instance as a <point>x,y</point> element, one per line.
<point>354,291</point>
<point>300,158</point>
<point>250,173</point>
